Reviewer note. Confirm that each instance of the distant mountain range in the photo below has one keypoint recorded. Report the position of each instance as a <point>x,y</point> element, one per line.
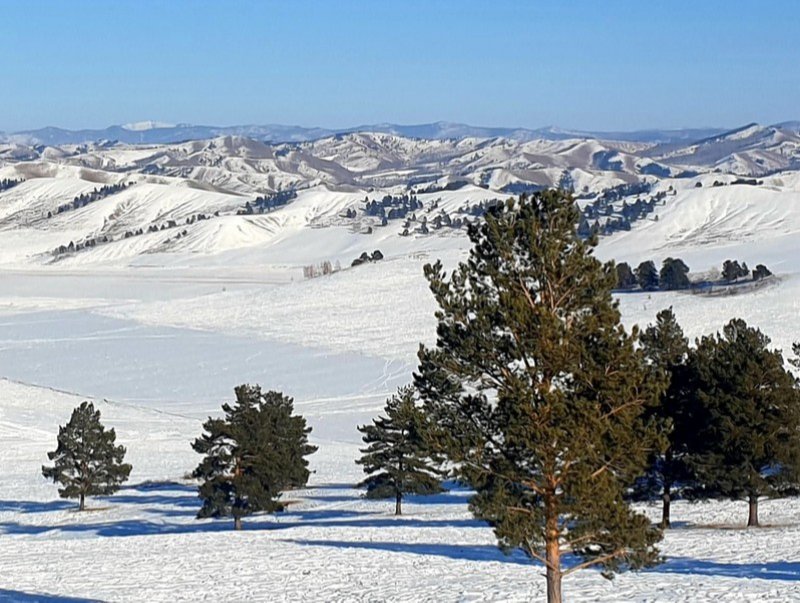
<point>150,132</point>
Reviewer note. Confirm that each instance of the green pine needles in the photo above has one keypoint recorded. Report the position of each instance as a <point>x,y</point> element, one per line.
<point>87,462</point>
<point>398,455</point>
<point>667,350</point>
<point>748,425</point>
<point>540,391</point>
<point>251,455</point>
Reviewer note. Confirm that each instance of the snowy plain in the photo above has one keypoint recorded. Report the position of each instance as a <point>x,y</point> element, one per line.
<point>160,339</point>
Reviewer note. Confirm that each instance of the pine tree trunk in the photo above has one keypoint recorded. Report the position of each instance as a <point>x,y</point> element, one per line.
<point>398,503</point>
<point>82,504</point>
<point>666,497</point>
<point>752,518</point>
<point>552,552</point>
<point>237,523</point>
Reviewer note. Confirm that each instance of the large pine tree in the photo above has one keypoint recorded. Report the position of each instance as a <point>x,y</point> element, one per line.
<point>749,429</point>
<point>666,347</point>
<point>540,392</point>
<point>87,462</point>
<point>257,450</point>
<point>398,456</point>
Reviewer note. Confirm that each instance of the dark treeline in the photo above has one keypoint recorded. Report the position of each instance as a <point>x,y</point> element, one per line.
<point>674,275</point>
<point>85,199</point>
<point>267,203</point>
<point>7,183</point>
<point>601,217</point>
<point>91,242</point>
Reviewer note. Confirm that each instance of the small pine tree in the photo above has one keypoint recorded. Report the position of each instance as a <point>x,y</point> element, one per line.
<point>398,454</point>
<point>674,275</point>
<point>540,393</point>
<point>748,408</point>
<point>86,461</point>
<point>761,271</point>
<point>647,276</point>
<point>731,270</point>
<point>666,348</point>
<point>625,277</point>
<point>251,455</point>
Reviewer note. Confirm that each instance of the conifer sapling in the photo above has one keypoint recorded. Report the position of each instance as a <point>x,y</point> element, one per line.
<point>399,457</point>
<point>86,461</point>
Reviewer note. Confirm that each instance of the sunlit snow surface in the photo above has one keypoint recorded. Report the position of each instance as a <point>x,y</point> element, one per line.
<point>160,340</point>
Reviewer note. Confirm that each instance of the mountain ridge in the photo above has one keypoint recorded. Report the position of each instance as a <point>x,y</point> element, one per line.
<point>154,132</point>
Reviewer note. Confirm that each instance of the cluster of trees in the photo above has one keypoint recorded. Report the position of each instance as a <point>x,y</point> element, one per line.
<point>730,416</point>
<point>620,191</point>
<point>555,414</point>
<point>267,203</point>
<point>169,224</point>
<point>425,226</point>
<point>439,188</point>
<point>747,181</point>
<point>7,183</point>
<point>321,269</point>
<point>674,275</point>
<point>85,199</point>
<point>87,244</point>
<point>733,271</point>
<point>478,209</point>
<point>601,217</point>
<point>405,207</point>
<point>392,207</point>
<point>257,450</point>
<point>364,258</point>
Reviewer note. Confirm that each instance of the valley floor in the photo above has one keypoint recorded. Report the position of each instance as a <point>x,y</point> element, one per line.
<point>159,353</point>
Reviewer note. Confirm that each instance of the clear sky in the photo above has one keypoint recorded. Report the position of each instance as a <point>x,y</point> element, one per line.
<point>586,64</point>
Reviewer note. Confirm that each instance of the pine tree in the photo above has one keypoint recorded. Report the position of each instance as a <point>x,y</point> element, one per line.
<point>625,277</point>
<point>666,347</point>
<point>750,423</point>
<point>539,391</point>
<point>674,275</point>
<point>731,270</point>
<point>398,454</point>
<point>86,461</point>
<point>647,276</point>
<point>251,455</point>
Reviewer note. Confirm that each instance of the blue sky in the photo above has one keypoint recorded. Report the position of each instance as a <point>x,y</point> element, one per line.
<point>578,64</point>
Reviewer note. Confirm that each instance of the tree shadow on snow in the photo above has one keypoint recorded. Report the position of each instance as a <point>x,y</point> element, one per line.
<point>478,552</point>
<point>16,595</point>
<point>167,503</point>
<point>455,494</point>
<point>279,521</point>
<point>772,570</point>
<point>30,506</point>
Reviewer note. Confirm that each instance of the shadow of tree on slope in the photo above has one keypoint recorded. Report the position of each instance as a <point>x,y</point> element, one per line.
<point>16,595</point>
<point>473,552</point>
<point>33,506</point>
<point>771,570</point>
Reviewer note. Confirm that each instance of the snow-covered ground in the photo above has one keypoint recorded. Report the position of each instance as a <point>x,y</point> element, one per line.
<point>159,341</point>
